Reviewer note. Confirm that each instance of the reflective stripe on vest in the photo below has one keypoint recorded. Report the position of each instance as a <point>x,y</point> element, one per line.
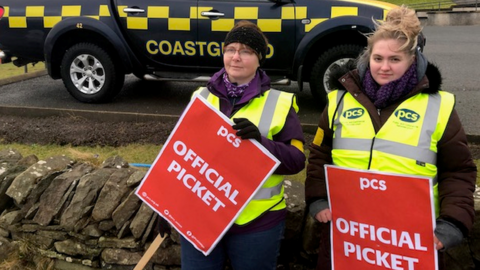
<point>266,115</point>
<point>406,143</point>
<point>269,113</point>
<point>399,149</point>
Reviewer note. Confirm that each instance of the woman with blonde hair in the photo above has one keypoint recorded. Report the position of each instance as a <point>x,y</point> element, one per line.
<point>393,74</point>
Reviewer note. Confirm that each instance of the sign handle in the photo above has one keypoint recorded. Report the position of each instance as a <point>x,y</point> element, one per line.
<point>149,253</point>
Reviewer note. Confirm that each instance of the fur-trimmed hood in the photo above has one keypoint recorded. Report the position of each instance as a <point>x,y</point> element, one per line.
<point>430,83</point>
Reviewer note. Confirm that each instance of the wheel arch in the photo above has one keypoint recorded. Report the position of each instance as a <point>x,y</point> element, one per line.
<point>83,29</point>
<point>341,30</point>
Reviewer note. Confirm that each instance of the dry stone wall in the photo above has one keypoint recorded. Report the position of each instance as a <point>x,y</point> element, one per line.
<point>85,217</point>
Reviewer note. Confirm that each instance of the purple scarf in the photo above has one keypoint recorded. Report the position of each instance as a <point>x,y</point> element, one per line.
<point>384,95</point>
<point>234,90</point>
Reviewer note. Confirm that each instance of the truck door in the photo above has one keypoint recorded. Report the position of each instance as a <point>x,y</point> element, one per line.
<point>161,31</point>
<point>277,21</point>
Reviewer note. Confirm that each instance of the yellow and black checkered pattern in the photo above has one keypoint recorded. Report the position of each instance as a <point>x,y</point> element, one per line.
<point>226,24</point>
<point>15,21</point>
<point>220,25</point>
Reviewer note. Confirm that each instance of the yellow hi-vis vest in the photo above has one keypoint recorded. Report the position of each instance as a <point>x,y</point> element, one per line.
<point>406,143</point>
<point>268,112</point>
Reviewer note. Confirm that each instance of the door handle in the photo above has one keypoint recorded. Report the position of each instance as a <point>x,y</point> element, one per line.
<point>133,10</point>
<point>212,14</point>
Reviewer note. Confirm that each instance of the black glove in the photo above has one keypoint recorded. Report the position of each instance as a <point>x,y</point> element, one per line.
<point>246,129</point>
<point>163,227</point>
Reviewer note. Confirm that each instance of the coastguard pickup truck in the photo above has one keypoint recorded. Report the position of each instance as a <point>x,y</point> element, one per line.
<point>92,45</point>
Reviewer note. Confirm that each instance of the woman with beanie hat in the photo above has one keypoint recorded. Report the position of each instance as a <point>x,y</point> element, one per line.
<point>241,91</point>
<point>392,76</point>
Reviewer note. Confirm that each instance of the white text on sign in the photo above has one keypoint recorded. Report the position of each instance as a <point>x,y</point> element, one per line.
<point>231,138</point>
<point>402,239</point>
<point>373,184</point>
<point>211,175</point>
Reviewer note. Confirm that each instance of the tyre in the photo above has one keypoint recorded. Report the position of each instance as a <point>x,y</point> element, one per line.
<point>338,55</point>
<point>89,73</point>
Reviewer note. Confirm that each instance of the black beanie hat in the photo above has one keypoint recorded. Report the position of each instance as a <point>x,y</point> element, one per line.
<point>251,37</point>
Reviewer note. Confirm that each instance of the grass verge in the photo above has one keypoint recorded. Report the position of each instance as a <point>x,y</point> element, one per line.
<point>9,70</point>
<point>133,153</point>
<point>424,5</point>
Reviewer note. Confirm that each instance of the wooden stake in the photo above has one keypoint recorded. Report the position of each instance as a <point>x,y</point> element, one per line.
<point>149,253</point>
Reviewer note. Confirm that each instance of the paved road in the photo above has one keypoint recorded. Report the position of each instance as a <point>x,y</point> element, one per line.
<point>456,50</point>
<point>453,48</point>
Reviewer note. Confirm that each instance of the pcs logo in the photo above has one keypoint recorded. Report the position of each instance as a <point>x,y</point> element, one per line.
<point>354,113</point>
<point>407,115</point>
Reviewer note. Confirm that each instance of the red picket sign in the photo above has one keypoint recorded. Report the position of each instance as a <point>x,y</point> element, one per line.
<point>380,220</point>
<point>205,175</point>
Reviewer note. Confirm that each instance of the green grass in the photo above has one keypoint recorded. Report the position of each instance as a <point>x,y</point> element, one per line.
<point>10,70</point>
<point>477,162</point>
<point>424,5</point>
<point>133,153</point>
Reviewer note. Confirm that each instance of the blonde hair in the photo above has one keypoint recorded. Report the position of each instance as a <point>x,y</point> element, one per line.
<point>401,24</point>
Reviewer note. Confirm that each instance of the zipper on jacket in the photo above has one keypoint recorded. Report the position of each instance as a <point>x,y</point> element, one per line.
<point>234,101</point>
<point>234,111</point>
<point>371,153</point>
<point>378,111</point>
<point>231,111</point>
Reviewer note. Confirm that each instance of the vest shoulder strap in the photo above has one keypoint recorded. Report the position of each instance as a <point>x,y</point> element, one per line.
<point>336,97</point>
<point>203,91</point>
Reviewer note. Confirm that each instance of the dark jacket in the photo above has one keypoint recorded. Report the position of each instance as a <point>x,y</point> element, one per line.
<point>456,169</point>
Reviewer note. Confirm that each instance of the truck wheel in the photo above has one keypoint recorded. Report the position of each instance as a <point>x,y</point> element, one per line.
<point>338,55</point>
<point>90,75</point>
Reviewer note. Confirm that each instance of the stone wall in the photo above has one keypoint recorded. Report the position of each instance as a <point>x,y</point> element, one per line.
<point>84,217</point>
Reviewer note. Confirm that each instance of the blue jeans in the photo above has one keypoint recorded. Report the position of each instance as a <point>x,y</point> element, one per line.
<point>248,251</point>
